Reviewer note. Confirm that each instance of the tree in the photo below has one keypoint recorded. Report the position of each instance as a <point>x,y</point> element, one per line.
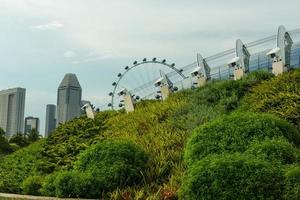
<point>33,136</point>
<point>2,132</point>
<point>4,145</point>
<point>19,139</point>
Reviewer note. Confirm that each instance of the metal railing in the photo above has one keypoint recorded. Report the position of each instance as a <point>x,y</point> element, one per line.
<point>219,68</point>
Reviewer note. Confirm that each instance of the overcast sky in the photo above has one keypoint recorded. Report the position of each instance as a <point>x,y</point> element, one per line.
<point>41,40</point>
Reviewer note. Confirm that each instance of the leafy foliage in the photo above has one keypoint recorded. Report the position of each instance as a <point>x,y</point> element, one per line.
<point>5,147</point>
<point>232,176</point>
<point>275,150</point>
<point>19,139</point>
<point>33,136</point>
<point>279,96</point>
<point>68,140</point>
<point>102,167</point>
<point>16,167</point>
<point>73,184</point>
<point>16,142</point>
<point>48,186</point>
<point>117,162</point>
<point>32,185</point>
<point>160,128</point>
<point>215,99</point>
<point>235,132</point>
<point>292,183</point>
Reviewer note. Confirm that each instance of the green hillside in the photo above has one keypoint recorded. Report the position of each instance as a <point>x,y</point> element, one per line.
<point>227,140</point>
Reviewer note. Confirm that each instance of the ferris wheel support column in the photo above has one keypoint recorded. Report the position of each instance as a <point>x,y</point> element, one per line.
<point>241,62</point>
<point>201,72</point>
<point>129,102</point>
<point>166,86</point>
<point>165,92</point>
<point>281,55</point>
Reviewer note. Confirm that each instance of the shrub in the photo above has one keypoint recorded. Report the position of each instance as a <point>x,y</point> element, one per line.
<point>72,184</point>
<point>102,167</point>
<point>63,146</point>
<point>275,150</point>
<point>214,99</point>
<point>279,96</point>
<point>16,167</point>
<point>32,185</point>
<point>292,183</point>
<point>115,163</point>
<point>48,186</point>
<point>235,132</point>
<point>230,177</point>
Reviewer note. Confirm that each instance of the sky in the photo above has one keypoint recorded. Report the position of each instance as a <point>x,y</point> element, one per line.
<point>41,40</point>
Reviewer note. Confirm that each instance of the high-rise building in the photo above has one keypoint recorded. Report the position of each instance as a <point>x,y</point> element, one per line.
<point>50,119</point>
<point>32,123</point>
<point>12,106</point>
<point>68,99</point>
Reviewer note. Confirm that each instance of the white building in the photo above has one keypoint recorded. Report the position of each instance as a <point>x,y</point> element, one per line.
<point>12,106</point>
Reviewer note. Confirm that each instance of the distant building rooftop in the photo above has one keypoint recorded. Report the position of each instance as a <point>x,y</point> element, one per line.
<point>70,80</point>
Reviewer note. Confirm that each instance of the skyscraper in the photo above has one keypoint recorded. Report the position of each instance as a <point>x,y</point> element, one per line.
<point>12,106</point>
<point>50,119</point>
<point>68,99</point>
<point>32,123</point>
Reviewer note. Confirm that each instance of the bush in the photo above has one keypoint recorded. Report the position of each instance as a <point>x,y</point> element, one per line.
<point>103,167</point>
<point>115,163</point>
<point>32,185</point>
<point>230,177</point>
<point>292,183</point>
<point>235,132</point>
<point>275,150</point>
<point>279,96</point>
<point>48,186</point>
<point>72,184</point>
<point>18,166</point>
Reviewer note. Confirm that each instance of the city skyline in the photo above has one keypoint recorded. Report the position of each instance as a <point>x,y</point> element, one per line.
<point>41,42</point>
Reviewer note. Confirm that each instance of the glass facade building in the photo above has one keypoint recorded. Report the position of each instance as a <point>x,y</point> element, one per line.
<point>50,119</point>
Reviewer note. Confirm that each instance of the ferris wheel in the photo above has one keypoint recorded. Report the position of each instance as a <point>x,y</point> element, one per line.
<point>139,79</point>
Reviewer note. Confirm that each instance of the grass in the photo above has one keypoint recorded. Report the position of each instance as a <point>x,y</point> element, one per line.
<point>160,128</point>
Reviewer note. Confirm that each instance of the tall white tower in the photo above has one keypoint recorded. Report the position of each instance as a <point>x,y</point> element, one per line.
<point>12,106</point>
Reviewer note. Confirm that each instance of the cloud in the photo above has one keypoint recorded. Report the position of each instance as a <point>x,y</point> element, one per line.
<point>125,31</point>
<point>92,57</point>
<point>49,26</point>
<point>69,54</point>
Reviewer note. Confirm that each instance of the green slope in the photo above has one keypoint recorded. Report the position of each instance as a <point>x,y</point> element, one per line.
<point>161,129</point>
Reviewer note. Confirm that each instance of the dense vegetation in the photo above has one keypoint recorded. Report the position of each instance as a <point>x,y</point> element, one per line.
<point>232,176</point>
<point>17,141</point>
<point>235,133</point>
<point>219,168</point>
<point>231,146</point>
<point>279,96</point>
